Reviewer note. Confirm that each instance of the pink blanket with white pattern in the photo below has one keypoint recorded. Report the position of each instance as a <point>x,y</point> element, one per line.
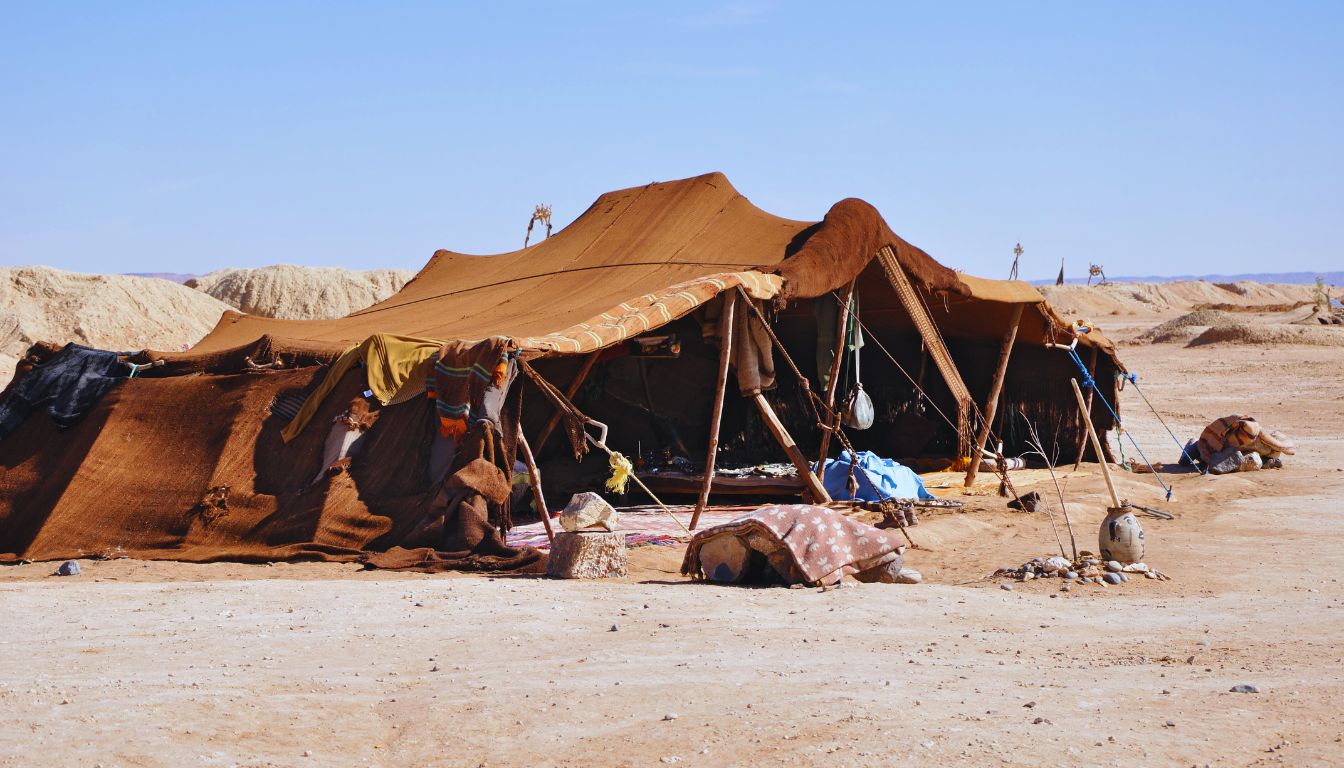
<point>818,541</point>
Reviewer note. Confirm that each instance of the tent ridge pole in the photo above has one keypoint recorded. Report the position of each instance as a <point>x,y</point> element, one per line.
<point>833,382</point>
<point>995,388</point>
<point>534,479</point>
<point>1087,414</point>
<point>716,415</point>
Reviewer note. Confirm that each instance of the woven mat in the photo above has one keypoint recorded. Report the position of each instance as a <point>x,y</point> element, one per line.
<point>639,528</point>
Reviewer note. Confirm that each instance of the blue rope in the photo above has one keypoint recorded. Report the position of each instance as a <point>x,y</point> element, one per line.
<point>1133,378</point>
<point>1088,382</point>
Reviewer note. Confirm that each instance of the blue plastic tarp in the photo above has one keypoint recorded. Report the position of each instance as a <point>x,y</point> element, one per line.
<point>893,480</point>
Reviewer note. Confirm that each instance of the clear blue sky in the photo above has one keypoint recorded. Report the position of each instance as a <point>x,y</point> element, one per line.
<point>1153,138</point>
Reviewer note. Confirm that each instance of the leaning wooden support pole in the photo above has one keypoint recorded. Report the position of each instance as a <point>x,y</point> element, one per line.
<point>841,326</point>
<point>814,486</point>
<point>720,389</point>
<point>1096,444</point>
<point>1087,415</point>
<point>534,480</point>
<point>570,391</point>
<point>995,388</point>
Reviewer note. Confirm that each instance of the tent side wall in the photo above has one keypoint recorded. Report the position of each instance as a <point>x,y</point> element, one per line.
<point>136,476</point>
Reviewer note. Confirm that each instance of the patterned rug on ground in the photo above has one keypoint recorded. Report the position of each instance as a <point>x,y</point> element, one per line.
<point>640,528</point>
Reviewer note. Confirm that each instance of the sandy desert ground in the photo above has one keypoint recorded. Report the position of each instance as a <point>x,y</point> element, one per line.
<point>160,664</point>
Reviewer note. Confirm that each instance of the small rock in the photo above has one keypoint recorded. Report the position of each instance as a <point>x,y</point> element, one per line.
<point>68,568</point>
<point>909,576</point>
<point>1028,575</point>
<point>1114,566</point>
<point>1055,563</point>
<point>307,753</point>
<point>670,716</point>
<point>1149,575</point>
<point>1171,724</point>
<point>1244,688</point>
<point>1111,578</point>
<point>1205,643</point>
<point>614,628</point>
<point>1123,577</point>
<point>671,759</point>
<point>1006,587</point>
<point>1070,575</point>
<point>927,744</point>
<point>1136,568</point>
<point>1030,705</point>
<point>1038,721</point>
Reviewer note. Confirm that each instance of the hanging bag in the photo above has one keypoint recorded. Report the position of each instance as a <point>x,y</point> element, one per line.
<point>859,411</point>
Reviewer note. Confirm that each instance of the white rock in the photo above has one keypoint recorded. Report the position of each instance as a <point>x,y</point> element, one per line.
<point>1053,564</point>
<point>588,510</point>
<point>909,576</point>
<point>1135,568</point>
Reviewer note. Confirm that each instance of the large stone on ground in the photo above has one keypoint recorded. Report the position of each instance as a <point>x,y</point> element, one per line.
<point>588,510</point>
<point>588,555</point>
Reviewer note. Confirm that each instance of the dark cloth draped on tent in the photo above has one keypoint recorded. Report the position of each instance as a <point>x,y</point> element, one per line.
<point>468,383</point>
<point>67,386</point>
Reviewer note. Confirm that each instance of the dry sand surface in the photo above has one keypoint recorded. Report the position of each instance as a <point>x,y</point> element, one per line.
<point>301,293</point>
<point>137,663</point>
<point>1099,302</point>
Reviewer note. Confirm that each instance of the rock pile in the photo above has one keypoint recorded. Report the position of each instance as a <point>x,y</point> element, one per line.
<point>1088,569</point>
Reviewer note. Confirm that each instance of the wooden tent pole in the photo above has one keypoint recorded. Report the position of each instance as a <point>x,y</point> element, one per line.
<point>1096,444</point>
<point>995,388</point>
<point>534,479</point>
<point>1087,414</point>
<point>720,389</point>
<point>819,494</point>
<point>841,327</point>
<point>570,391</point>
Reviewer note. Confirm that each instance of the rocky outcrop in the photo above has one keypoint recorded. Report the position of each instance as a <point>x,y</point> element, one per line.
<point>301,293</point>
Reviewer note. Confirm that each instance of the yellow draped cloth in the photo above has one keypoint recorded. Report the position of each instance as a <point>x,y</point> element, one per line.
<point>396,367</point>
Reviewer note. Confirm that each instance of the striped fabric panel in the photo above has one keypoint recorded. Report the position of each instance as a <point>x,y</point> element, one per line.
<point>650,311</point>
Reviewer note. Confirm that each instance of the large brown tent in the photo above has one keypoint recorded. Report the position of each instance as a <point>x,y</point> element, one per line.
<point>186,461</point>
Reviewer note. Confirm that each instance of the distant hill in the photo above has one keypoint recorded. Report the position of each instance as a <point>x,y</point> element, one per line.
<point>175,277</point>
<point>1290,278</point>
<point>301,293</point>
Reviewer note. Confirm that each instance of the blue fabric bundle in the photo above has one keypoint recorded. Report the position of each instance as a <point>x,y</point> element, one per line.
<point>893,480</point>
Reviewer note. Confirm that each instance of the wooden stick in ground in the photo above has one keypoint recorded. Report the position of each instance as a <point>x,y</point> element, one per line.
<point>995,388</point>
<point>720,390</point>
<point>841,326</point>
<point>570,391</point>
<point>1096,444</point>
<point>534,479</point>
<point>1087,415</point>
<point>819,494</point>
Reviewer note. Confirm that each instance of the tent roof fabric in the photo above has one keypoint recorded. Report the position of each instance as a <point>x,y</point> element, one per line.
<point>630,249</point>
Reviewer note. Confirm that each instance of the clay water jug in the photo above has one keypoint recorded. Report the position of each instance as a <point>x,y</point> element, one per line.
<point>1121,536</point>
